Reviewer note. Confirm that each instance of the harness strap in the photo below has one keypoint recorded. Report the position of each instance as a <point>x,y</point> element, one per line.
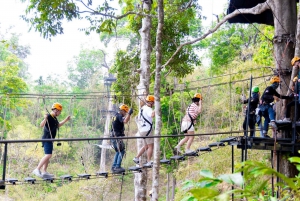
<point>147,122</point>
<point>192,120</point>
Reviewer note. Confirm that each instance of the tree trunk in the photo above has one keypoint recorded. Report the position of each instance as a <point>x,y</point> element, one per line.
<point>105,143</point>
<point>173,187</point>
<point>285,19</point>
<point>140,180</point>
<point>158,123</point>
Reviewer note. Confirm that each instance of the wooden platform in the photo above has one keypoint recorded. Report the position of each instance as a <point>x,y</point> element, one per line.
<point>282,144</point>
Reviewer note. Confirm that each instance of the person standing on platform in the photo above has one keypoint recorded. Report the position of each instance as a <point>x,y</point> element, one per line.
<point>254,100</point>
<point>296,81</point>
<point>187,125</point>
<point>117,130</point>
<point>266,107</point>
<point>51,126</point>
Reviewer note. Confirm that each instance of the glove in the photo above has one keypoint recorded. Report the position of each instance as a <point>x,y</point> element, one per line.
<point>130,111</point>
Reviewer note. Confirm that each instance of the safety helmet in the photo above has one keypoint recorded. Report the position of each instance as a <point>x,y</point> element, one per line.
<point>198,95</point>
<point>255,89</point>
<point>57,106</point>
<point>150,98</point>
<point>275,79</point>
<point>124,107</point>
<point>294,60</point>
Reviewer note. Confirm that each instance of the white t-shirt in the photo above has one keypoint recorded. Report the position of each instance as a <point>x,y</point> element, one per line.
<point>147,112</point>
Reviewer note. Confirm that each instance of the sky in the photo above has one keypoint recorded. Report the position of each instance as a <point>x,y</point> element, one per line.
<point>51,57</point>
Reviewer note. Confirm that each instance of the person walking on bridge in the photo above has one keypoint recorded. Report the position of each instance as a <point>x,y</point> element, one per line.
<point>51,126</point>
<point>188,121</point>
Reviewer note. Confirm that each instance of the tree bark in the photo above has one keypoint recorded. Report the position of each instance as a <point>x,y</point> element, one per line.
<point>158,123</point>
<point>140,180</point>
<point>285,21</point>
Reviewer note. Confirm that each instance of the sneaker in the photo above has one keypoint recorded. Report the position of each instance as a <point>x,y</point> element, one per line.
<point>273,125</point>
<point>177,151</point>
<point>287,119</point>
<point>37,172</point>
<point>148,164</point>
<point>47,174</point>
<point>188,151</point>
<point>118,169</point>
<point>136,160</point>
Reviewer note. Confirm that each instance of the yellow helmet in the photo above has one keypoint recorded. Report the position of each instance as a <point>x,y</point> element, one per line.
<point>295,79</point>
<point>275,79</point>
<point>57,106</point>
<point>198,95</point>
<point>124,107</point>
<point>150,98</point>
<point>294,60</point>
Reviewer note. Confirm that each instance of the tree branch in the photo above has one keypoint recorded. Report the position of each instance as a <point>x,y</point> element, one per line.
<point>258,9</point>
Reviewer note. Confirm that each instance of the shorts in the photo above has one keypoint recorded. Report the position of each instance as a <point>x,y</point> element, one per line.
<point>48,147</point>
<point>147,140</point>
<point>185,125</point>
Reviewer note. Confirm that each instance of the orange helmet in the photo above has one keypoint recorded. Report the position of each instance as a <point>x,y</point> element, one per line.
<point>150,98</point>
<point>294,60</point>
<point>57,106</point>
<point>275,79</point>
<point>295,79</point>
<point>198,95</point>
<point>124,107</point>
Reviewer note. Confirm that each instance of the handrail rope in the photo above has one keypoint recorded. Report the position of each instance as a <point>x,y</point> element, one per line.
<point>14,95</point>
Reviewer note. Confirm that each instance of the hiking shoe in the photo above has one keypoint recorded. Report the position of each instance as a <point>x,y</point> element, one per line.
<point>188,151</point>
<point>177,151</point>
<point>37,172</point>
<point>287,119</point>
<point>118,169</point>
<point>47,174</point>
<point>273,125</point>
<point>136,160</point>
<point>148,164</point>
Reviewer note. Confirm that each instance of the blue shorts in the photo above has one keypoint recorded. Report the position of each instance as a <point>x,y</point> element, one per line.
<point>48,147</point>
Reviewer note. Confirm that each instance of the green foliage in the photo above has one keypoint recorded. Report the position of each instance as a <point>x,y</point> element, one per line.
<point>124,67</point>
<point>10,82</point>
<point>48,15</point>
<point>253,185</point>
<point>86,69</point>
<point>236,42</point>
<point>264,55</point>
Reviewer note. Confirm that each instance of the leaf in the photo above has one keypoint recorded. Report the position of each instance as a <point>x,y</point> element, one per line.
<point>235,178</point>
<point>204,193</point>
<point>207,173</point>
<point>294,159</point>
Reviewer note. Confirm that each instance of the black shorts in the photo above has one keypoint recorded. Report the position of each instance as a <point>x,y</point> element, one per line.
<point>48,147</point>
